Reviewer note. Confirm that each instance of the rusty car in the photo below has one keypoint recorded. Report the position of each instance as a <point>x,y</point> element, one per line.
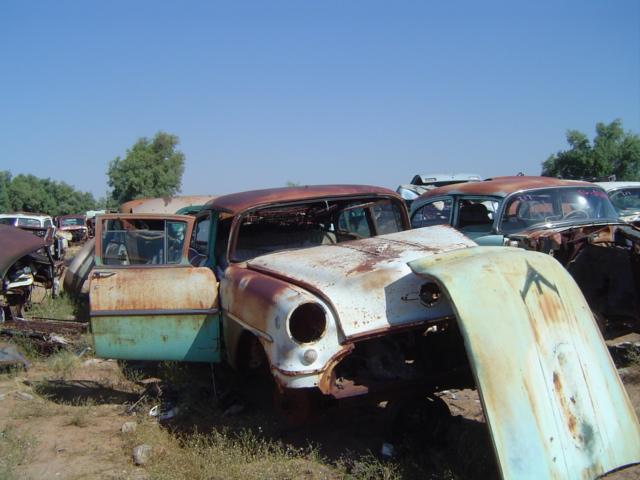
<point>329,290</point>
<point>25,261</point>
<point>572,220</point>
<point>625,197</point>
<point>75,226</point>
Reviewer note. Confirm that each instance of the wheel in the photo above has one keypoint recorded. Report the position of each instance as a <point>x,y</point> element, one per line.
<point>423,418</point>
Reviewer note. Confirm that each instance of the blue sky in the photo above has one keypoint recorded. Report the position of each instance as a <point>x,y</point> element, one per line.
<point>310,91</point>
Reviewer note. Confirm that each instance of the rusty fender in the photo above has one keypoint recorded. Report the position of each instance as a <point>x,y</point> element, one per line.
<point>258,303</point>
<point>553,400</point>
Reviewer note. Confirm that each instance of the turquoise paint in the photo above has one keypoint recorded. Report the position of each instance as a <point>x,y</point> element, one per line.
<point>554,403</point>
<point>188,338</point>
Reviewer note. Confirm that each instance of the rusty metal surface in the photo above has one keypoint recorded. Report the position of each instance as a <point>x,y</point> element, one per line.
<point>152,289</point>
<point>238,202</point>
<point>503,186</point>
<point>553,400</point>
<point>16,243</point>
<point>76,275</point>
<point>164,204</point>
<point>366,282</point>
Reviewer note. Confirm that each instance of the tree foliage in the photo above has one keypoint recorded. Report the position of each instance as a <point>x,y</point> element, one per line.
<point>612,152</point>
<point>28,193</point>
<point>151,168</point>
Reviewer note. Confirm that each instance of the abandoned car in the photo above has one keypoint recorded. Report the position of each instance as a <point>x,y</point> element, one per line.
<point>423,183</point>
<point>625,197</point>
<point>25,261</point>
<point>75,226</point>
<point>328,289</point>
<point>40,225</point>
<point>573,221</point>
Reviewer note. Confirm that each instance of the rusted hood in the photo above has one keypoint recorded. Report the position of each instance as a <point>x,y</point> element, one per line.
<point>553,400</point>
<point>367,281</point>
<point>15,244</point>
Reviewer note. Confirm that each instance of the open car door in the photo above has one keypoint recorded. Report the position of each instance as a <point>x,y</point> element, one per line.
<point>553,400</point>
<point>147,301</point>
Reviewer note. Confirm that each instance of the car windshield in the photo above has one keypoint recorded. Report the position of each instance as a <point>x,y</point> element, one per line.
<point>626,199</point>
<point>556,205</point>
<point>315,223</point>
<point>29,222</point>
<point>71,222</point>
<point>8,221</point>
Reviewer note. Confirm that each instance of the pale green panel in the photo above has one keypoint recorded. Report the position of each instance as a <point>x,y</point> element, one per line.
<point>189,338</point>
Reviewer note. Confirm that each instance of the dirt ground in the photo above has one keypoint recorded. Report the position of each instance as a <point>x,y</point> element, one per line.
<point>66,415</point>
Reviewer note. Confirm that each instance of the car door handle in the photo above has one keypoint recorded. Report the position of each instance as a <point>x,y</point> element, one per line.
<point>103,274</point>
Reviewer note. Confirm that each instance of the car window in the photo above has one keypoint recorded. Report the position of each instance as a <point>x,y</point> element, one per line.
<point>8,221</point>
<point>28,222</point>
<point>545,206</point>
<point>476,214</point>
<point>318,222</point>
<point>47,223</point>
<point>142,241</point>
<point>433,213</point>
<point>387,218</point>
<point>354,221</point>
<point>200,237</point>
<point>626,198</point>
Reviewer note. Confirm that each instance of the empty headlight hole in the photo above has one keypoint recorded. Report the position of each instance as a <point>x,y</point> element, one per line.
<point>307,323</point>
<point>430,294</point>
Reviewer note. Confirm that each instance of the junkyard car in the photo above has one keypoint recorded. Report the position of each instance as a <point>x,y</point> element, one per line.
<point>423,183</point>
<point>573,221</point>
<point>40,225</point>
<point>25,261</point>
<point>625,197</point>
<point>75,225</point>
<point>328,289</point>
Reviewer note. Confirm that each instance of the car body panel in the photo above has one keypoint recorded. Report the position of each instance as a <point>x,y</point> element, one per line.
<point>367,281</point>
<point>554,403</point>
<point>16,243</point>
<point>154,312</point>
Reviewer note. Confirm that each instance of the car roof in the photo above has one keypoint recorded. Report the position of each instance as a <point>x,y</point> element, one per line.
<point>238,202</point>
<point>615,185</point>
<point>430,179</point>
<point>39,216</point>
<point>503,186</point>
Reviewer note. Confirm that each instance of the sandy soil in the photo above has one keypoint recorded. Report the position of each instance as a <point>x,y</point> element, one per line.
<point>74,424</point>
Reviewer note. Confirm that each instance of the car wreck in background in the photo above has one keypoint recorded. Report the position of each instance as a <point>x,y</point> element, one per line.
<point>328,289</point>
<point>41,226</point>
<point>423,183</point>
<point>25,261</point>
<point>625,197</point>
<point>75,226</point>
<point>573,221</point>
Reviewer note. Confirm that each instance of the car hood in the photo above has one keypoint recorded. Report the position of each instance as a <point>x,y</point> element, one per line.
<point>367,283</point>
<point>554,403</point>
<point>16,243</point>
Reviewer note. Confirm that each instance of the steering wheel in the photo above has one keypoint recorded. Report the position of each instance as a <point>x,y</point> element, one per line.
<point>575,214</point>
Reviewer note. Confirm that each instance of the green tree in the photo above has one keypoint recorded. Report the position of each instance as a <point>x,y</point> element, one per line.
<point>612,152</point>
<point>151,168</point>
<point>28,193</point>
<point>5,199</point>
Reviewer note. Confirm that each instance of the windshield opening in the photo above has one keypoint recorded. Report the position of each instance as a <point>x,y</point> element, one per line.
<point>554,205</point>
<point>626,199</point>
<point>71,222</point>
<point>315,223</point>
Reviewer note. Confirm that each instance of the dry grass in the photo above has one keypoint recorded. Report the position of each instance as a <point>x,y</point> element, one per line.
<point>245,456</point>
<point>14,450</point>
<point>62,364</point>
